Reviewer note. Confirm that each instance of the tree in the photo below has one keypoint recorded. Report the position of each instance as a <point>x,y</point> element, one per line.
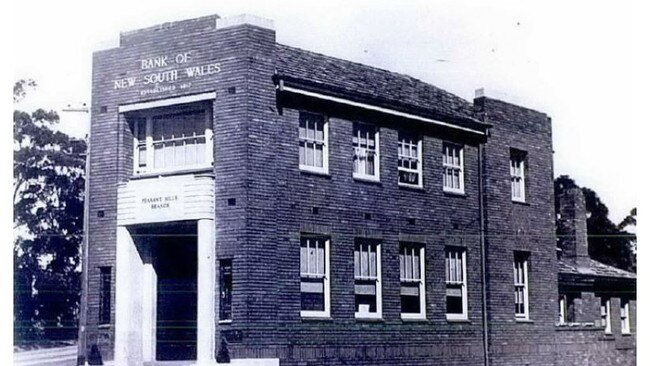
<point>48,225</point>
<point>609,243</point>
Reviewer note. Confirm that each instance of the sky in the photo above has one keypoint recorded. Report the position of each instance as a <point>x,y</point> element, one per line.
<point>575,60</point>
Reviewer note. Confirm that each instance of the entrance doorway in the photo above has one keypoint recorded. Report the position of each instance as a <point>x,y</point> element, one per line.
<point>175,263</point>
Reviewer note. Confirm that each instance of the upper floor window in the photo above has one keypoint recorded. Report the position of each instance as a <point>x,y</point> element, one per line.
<point>456,283</point>
<point>177,140</point>
<point>365,141</point>
<point>606,314</point>
<point>411,269</point>
<point>625,316</point>
<point>452,163</point>
<point>520,266</point>
<point>313,136</point>
<point>367,279</point>
<point>517,175</point>
<point>409,164</point>
<point>314,276</point>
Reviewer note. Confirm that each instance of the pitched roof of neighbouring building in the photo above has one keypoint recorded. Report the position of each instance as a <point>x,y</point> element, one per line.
<point>360,81</point>
<point>595,268</point>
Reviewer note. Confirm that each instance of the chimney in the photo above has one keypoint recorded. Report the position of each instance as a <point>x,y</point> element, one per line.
<point>572,228</point>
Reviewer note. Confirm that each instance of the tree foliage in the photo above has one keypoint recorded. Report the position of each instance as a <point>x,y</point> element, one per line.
<point>48,224</point>
<point>609,243</point>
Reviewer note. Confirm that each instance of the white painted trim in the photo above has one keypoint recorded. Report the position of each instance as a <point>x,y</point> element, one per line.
<point>326,288</point>
<point>375,108</point>
<point>206,271</point>
<point>166,102</point>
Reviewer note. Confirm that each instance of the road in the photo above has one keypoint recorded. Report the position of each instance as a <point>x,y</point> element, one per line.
<point>63,356</point>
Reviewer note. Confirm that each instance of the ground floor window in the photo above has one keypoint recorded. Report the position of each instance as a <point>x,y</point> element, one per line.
<point>625,316</point>
<point>314,276</point>
<point>411,269</point>
<point>367,279</point>
<point>456,283</point>
<point>225,287</point>
<point>566,308</point>
<point>105,295</point>
<point>606,314</point>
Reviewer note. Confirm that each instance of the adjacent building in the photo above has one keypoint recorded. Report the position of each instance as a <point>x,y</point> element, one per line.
<point>257,203</point>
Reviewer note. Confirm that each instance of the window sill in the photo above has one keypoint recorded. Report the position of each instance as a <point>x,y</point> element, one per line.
<point>448,192</point>
<point>524,321</point>
<point>518,202</point>
<point>368,319</point>
<point>366,180</point>
<point>104,326</point>
<point>316,318</point>
<point>413,188</point>
<point>166,173</point>
<point>458,320</point>
<point>414,319</point>
<point>321,173</point>
<point>227,321</point>
<point>627,334</point>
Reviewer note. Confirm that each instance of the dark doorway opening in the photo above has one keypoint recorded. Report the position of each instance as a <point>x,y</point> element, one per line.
<point>175,260</point>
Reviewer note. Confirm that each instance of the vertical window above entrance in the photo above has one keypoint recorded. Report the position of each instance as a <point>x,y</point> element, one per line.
<point>171,139</point>
<point>104,295</point>
<point>225,287</point>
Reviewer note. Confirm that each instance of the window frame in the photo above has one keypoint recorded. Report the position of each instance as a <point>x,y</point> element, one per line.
<point>310,168</point>
<point>463,283</point>
<point>518,157</point>
<point>447,165</point>
<point>378,282</point>
<point>562,303</point>
<point>420,170</point>
<point>105,296</point>
<point>148,115</point>
<point>377,163</point>
<point>606,314</point>
<point>224,263</point>
<point>524,259</point>
<point>625,316</point>
<point>422,315</point>
<point>325,313</point>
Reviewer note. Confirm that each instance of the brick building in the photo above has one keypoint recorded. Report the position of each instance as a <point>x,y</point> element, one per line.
<point>285,207</point>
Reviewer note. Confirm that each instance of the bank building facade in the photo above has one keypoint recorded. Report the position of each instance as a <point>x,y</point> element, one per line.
<point>253,203</point>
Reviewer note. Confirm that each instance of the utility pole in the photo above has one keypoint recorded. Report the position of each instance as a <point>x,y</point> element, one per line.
<point>83,319</point>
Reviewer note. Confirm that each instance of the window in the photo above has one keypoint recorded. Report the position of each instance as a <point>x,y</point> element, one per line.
<point>567,309</point>
<point>225,287</point>
<point>411,270</point>
<point>452,163</point>
<point>365,141</point>
<point>312,133</point>
<point>314,276</point>
<point>456,282</point>
<point>367,279</point>
<point>605,314</point>
<point>625,316</point>
<point>104,295</point>
<point>409,165</point>
<point>517,177</point>
<point>521,285</point>
<point>172,141</point>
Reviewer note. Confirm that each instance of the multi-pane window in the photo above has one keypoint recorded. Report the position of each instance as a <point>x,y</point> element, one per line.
<point>172,141</point>
<point>312,135</point>
<point>365,142</point>
<point>625,316</point>
<point>452,165</point>
<point>567,309</point>
<point>104,295</point>
<point>225,289</point>
<point>409,164</point>
<point>606,314</point>
<point>456,283</point>
<point>411,270</point>
<point>314,276</point>
<point>367,279</point>
<point>520,267</point>
<point>517,175</point>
